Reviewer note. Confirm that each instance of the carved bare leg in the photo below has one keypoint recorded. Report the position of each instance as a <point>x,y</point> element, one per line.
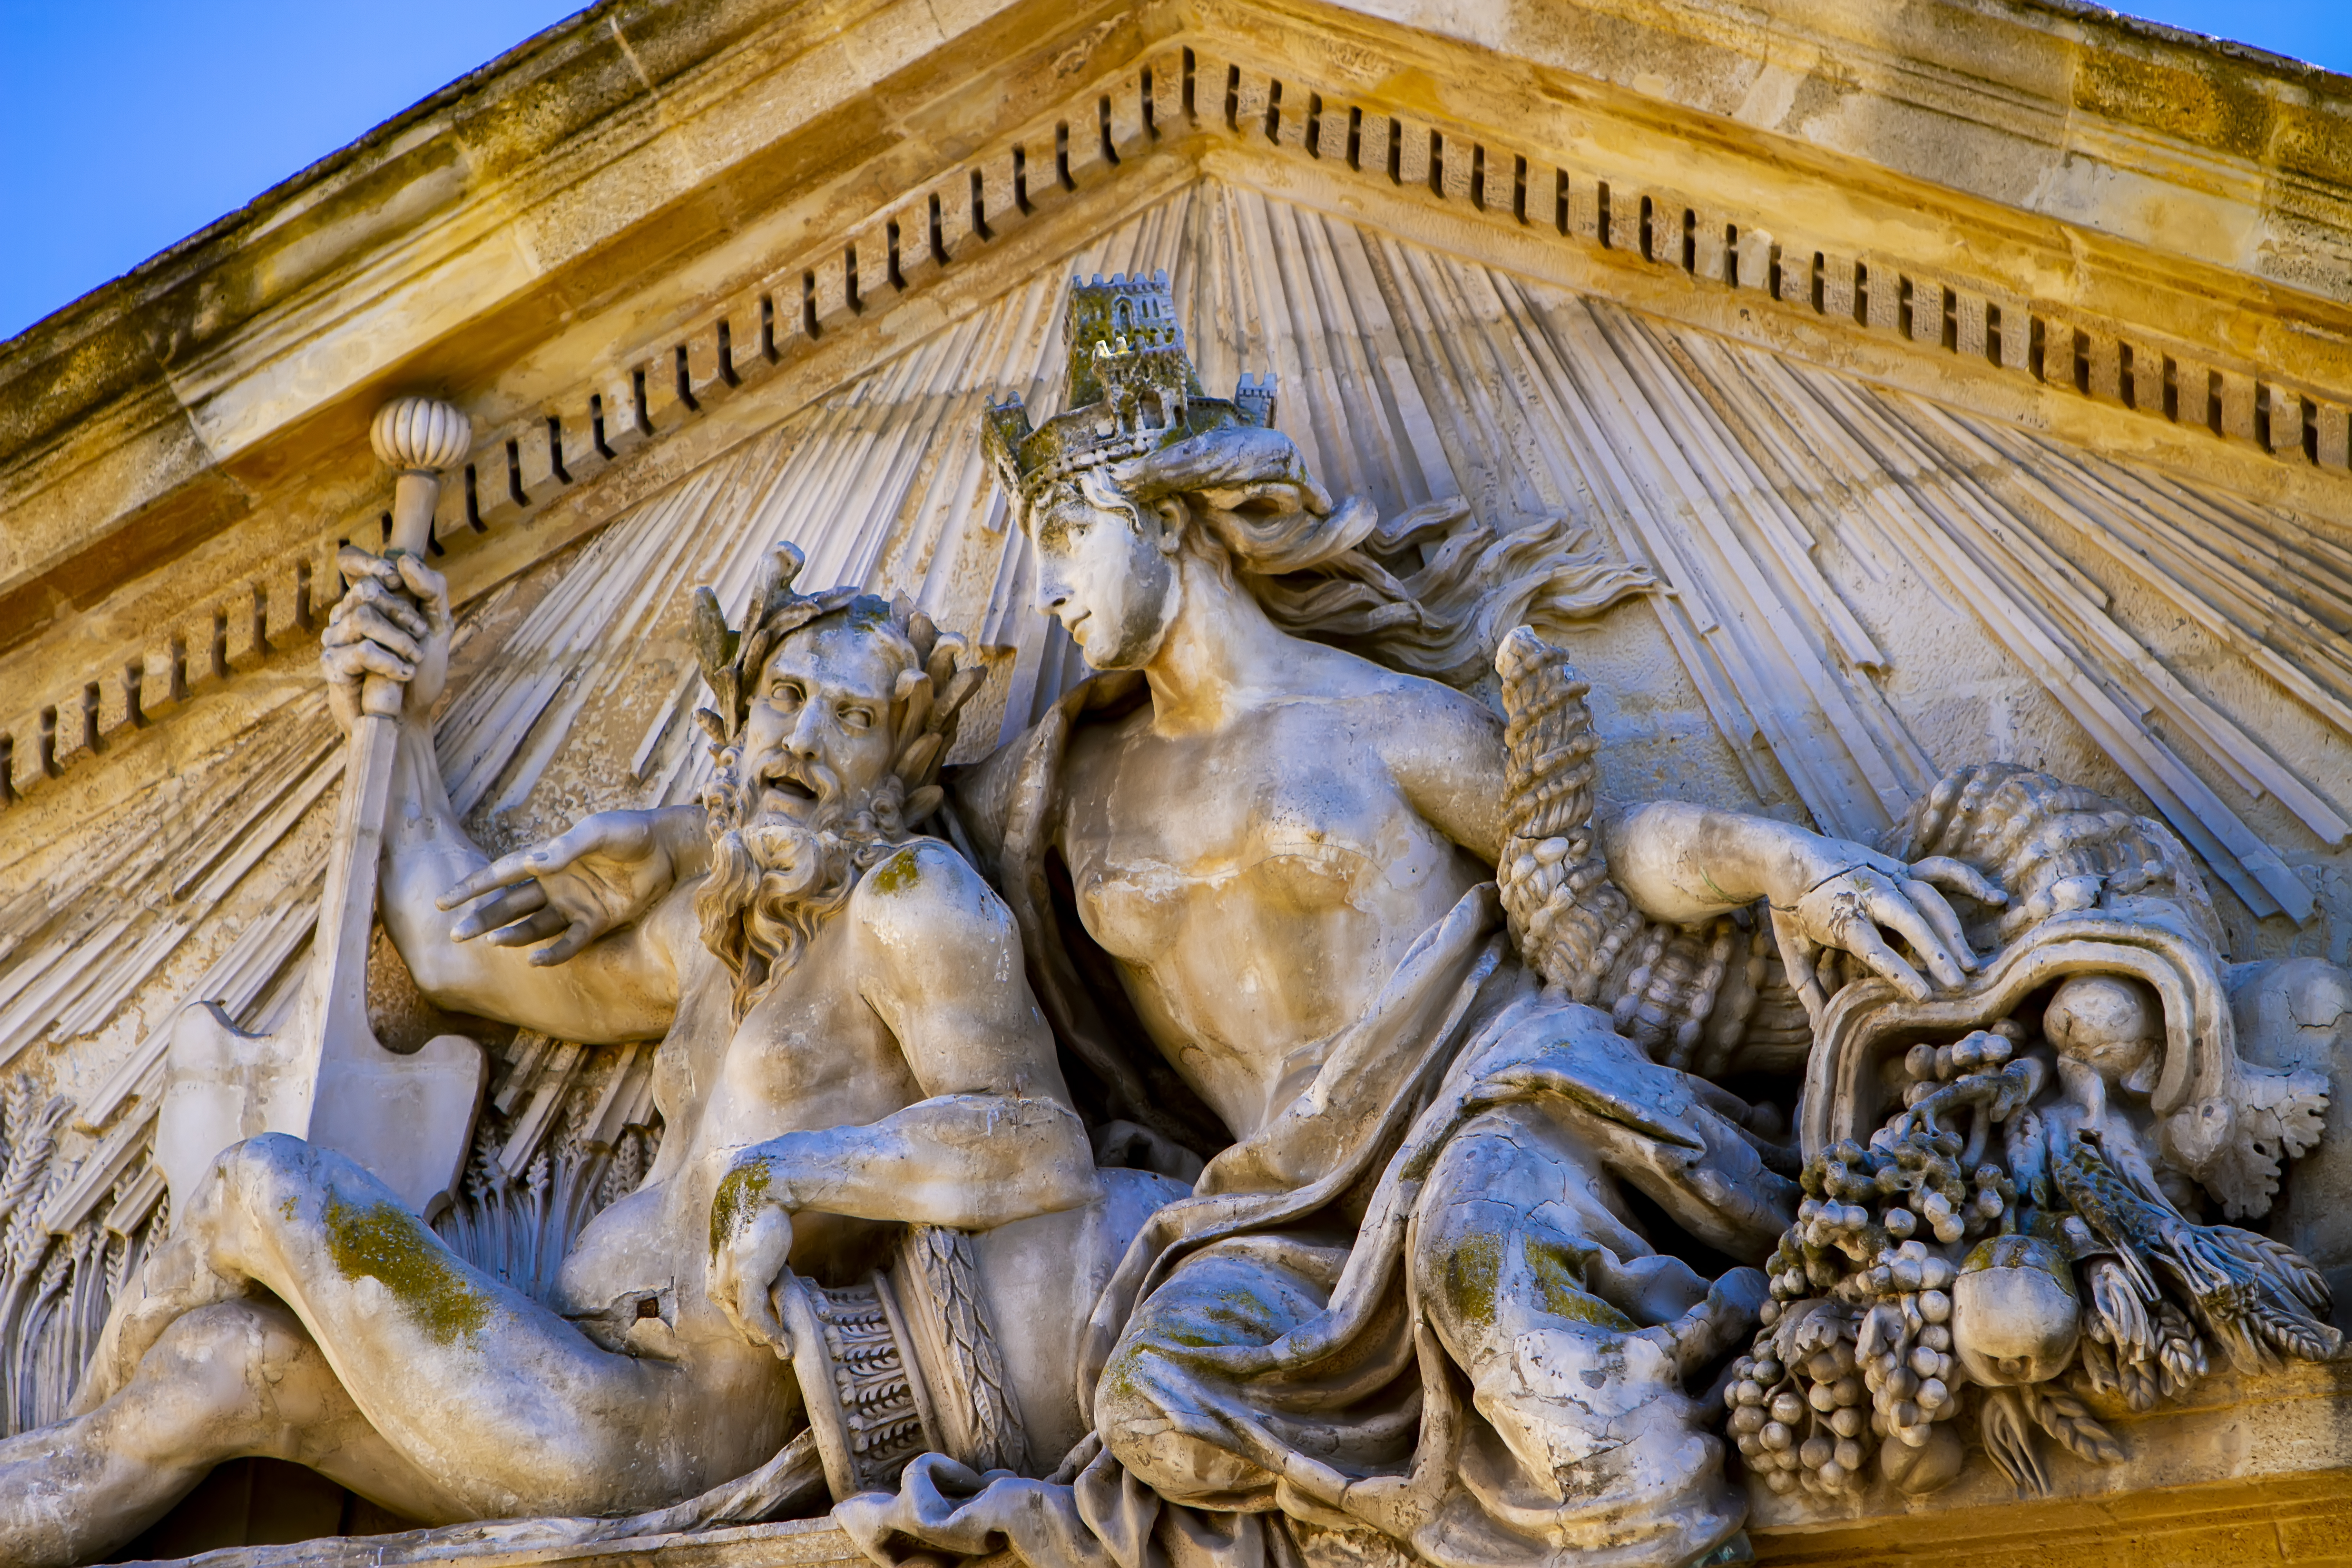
<point>1576,1339</point>
<point>224,1382</point>
<point>489,1395</point>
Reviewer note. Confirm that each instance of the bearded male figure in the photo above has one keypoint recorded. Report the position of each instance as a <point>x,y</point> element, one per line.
<point>846,1044</point>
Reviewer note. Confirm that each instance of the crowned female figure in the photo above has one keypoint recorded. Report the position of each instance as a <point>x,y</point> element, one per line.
<point>1254,864</point>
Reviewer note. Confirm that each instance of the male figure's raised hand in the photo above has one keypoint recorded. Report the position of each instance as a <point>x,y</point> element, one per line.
<point>394,622</point>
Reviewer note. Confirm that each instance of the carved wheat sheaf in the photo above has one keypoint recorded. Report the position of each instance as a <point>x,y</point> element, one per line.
<point>569,1130</point>
<point>949,1272</point>
<point>1569,920</point>
<point>72,1233</point>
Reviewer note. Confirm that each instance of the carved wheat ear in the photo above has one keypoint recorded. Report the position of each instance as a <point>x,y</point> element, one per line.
<point>779,569</point>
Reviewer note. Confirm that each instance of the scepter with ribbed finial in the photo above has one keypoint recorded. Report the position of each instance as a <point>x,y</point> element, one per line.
<point>416,437</point>
<point>323,1075</point>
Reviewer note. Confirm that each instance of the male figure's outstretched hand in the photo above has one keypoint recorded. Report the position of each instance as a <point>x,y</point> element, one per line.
<point>606,871</point>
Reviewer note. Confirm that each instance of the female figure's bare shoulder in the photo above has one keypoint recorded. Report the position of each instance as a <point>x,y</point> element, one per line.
<point>1413,714</point>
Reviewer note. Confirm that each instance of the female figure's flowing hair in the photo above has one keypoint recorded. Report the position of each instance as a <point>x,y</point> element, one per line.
<point>1432,593</point>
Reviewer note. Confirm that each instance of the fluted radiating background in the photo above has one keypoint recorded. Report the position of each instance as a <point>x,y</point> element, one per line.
<point>1866,589</point>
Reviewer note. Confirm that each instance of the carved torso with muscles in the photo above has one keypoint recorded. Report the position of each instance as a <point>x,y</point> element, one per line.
<point>870,1007</point>
<point>866,1053</point>
<point>867,1049</point>
<point>1257,883</point>
<point>1260,845</point>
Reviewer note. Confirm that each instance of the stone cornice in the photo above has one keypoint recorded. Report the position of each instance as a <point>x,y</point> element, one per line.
<point>445,248</point>
<point>2205,150</point>
<point>599,297</point>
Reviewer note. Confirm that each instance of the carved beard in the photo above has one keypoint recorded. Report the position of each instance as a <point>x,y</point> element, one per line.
<point>776,879</point>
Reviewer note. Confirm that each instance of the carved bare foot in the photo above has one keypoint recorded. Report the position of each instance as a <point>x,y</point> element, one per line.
<point>1715,1324</point>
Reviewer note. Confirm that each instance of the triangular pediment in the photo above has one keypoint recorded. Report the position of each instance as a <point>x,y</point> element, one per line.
<point>1932,461</point>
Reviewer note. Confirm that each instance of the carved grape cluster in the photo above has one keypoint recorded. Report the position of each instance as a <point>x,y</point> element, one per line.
<point>1927,1066</point>
<point>1856,1348</point>
<point>1855,1239</point>
<point>1798,1418</point>
<point>1906,1347</point>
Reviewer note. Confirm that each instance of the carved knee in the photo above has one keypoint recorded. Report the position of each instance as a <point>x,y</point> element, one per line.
<point>1488,1190</point>
<point>1230,1295</point>
<point>1138,1429</point>
<point>238,1335</point>
<point>264,1168</point>
<point>212,1386</point>
<point>244,1179</point>
<point>201,1263</point>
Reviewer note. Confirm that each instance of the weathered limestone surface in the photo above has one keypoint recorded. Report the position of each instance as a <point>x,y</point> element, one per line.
<point>1884,391</point>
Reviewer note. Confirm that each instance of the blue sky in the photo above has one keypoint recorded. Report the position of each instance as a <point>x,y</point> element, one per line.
<point>126,125</point>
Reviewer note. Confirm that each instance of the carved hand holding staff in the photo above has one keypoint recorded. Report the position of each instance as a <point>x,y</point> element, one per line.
<point>326,1076</point>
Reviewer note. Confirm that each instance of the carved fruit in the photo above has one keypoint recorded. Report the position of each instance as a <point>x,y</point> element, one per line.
<point>2015,1313</point>
<point>2113,1025</point>
<point>1917,1471</point>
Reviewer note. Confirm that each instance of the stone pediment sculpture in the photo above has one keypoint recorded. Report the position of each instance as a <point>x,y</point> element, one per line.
<point>1267,824</point>
<point>1426,1007</point>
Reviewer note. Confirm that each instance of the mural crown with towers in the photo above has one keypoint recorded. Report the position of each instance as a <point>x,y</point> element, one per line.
<point>1131,390</point>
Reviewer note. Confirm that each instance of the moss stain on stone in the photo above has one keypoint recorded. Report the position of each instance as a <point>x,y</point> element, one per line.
<point>388,1244</point>
<point>739,1194</point>
<point>1562,1291</point>
<point>2218,103</point>
<point>898,873</point>
<point>1472,1270</point>
<point>1229,1318</point>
